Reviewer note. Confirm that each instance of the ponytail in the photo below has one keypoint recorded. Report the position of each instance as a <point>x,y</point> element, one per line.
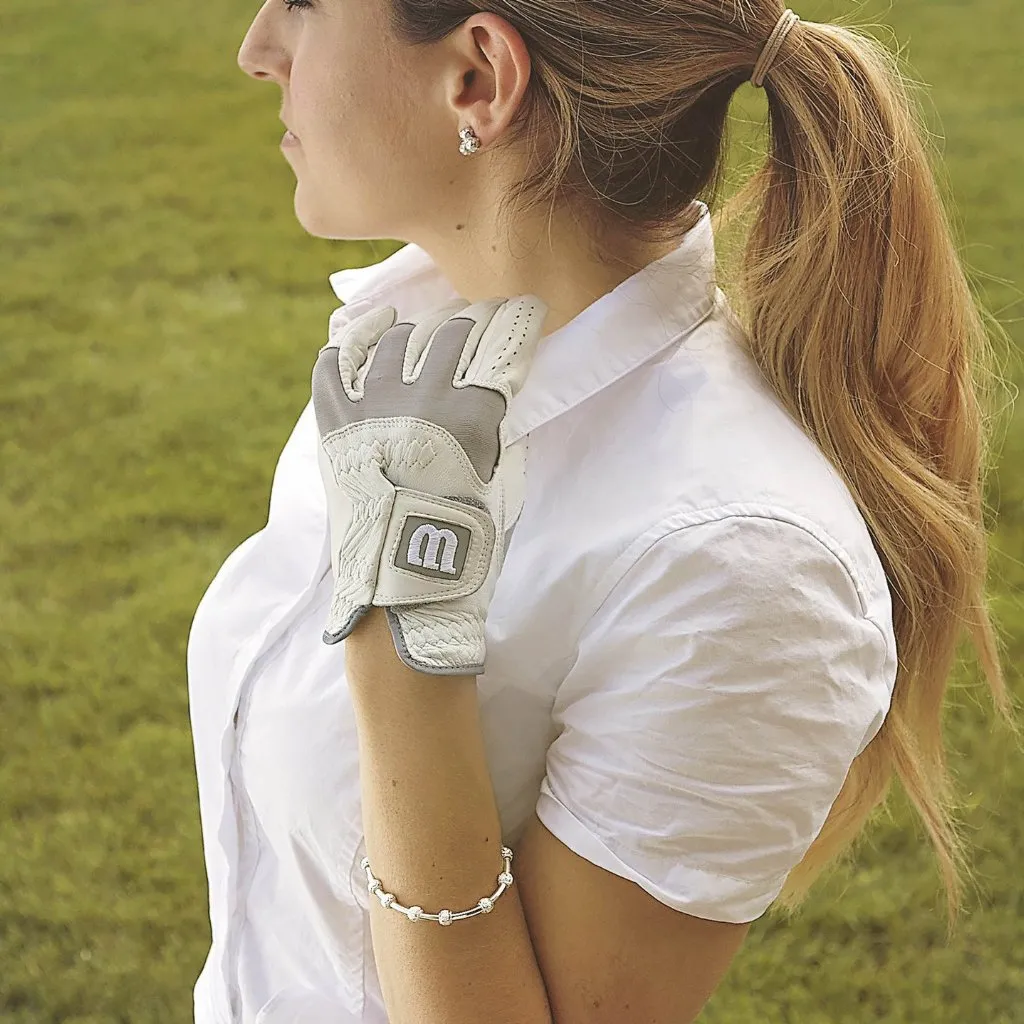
<point>859,313</point>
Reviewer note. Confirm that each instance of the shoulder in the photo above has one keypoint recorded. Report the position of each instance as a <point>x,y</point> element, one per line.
<point>763,554</point>
<point>722,688</point>
<point>700,436</point>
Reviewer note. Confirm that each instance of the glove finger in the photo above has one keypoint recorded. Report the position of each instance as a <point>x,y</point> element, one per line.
<point>508,345</point>
<point>328,400</point>
<point>354,342</point>
<point>445,348</point>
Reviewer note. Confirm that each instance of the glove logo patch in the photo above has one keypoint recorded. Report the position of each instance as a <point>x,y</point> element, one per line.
<point>433,548</point>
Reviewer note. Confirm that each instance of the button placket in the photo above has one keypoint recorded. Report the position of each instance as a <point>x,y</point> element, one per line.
<point>248,656</point>
<point>249,845</point>
<point>238,802</point>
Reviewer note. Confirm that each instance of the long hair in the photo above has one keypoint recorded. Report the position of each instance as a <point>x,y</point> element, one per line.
<point>853,299</point>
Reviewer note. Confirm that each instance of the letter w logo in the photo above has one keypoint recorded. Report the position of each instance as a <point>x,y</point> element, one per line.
<point>433,547</point>
<point>428,558</point>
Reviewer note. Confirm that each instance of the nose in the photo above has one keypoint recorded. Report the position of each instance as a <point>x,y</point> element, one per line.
<point>254,58</point>
<point>261,56</point>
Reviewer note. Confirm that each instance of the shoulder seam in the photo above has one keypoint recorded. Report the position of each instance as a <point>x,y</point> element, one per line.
<point>679,521</point>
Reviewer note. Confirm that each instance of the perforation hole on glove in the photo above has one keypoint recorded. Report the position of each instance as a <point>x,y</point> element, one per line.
<point>508,358</point>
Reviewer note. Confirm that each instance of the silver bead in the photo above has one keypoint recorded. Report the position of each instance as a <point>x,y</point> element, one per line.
<point>374,886</point>
<point>486,904</point>
<point>444,917</point>
<point>505,878</point>
<point>386,899</point>
<point>506,853</point>
<point>414,913</point>
<point>364,863</point>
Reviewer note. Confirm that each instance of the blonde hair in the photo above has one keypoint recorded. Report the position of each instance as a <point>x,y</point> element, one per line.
<point>854,301</point>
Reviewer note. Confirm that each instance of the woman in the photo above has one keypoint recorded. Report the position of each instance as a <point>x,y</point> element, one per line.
<point>644,601</point>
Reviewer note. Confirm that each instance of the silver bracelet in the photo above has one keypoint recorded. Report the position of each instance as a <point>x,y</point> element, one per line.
<point>442,917</point>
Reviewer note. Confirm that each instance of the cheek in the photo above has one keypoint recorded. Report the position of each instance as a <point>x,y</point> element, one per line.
<point>368,136</point>
<point>371,129</point>
<point>351,114</point>
<point>323,88</point>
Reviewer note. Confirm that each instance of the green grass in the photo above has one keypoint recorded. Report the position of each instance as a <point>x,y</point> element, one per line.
<point>161,312</point>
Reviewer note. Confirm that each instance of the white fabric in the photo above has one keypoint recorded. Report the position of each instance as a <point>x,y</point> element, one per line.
<point>689,641</point>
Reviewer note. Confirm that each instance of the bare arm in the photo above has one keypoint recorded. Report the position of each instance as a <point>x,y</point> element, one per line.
<point>569,942</point>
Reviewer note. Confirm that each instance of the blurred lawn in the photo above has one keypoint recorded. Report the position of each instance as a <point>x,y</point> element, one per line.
<point>161,311</point>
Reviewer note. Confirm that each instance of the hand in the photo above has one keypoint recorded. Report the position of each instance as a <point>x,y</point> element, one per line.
<point>420,485</point>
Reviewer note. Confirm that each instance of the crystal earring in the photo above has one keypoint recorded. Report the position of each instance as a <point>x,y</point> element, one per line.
<point>470,141</point>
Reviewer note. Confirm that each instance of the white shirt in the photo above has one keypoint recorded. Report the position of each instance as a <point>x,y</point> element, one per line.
<point>690,640</point>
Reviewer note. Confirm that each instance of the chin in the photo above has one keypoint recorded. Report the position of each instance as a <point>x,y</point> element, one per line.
<point>335,225</point>
<point>311,218</point>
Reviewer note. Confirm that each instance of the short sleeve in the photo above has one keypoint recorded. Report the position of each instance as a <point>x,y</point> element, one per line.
<point>721,693</point>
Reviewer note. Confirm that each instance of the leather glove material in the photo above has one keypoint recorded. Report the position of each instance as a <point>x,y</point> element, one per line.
<point>420,483</point>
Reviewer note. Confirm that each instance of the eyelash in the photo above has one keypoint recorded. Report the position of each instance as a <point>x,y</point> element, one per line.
<point>292,4</point>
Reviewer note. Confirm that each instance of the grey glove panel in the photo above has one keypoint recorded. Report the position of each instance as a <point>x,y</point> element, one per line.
<point>470,414</point>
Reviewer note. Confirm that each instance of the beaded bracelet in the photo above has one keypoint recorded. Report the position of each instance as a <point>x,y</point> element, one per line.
<point>442,917</point>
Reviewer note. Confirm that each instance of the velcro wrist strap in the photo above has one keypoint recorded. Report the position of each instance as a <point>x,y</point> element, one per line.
<point>435,549</point>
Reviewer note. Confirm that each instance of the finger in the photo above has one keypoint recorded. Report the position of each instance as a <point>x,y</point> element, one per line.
<point>435,339</point>
<point>388,357</point>
<point>354,341</point>
<point>454,333</point>
<point>324,388</point>
<point>508,345</point>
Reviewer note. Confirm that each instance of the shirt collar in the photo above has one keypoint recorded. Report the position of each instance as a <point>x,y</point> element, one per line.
<point>614,335</point>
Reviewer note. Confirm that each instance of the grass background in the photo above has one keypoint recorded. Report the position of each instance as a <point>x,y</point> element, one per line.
<point>160,311</point>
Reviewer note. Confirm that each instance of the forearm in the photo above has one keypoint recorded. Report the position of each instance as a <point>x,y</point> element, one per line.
<point>433,838</point>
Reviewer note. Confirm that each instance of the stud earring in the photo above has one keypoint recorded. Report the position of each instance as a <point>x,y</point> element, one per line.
<point>470,141</point>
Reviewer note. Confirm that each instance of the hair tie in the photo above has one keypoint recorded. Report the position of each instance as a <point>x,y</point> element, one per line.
<point>772,47</point>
